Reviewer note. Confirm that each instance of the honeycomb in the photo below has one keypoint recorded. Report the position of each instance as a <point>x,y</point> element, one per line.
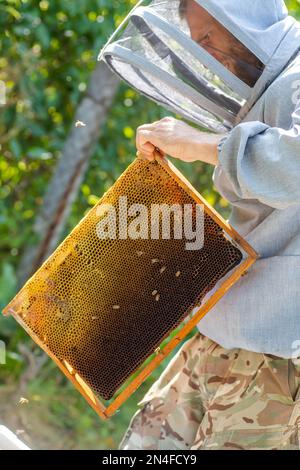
<point>104,306</point>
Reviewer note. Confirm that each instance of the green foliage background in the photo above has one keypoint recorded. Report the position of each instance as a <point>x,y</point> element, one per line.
<point>48,50</point>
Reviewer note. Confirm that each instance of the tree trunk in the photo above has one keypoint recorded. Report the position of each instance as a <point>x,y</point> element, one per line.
<point>70,169</point>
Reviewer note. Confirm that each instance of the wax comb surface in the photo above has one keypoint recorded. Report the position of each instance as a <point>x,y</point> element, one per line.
<point>100,307</point>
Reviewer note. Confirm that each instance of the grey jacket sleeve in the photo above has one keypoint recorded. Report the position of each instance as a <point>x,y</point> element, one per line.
<point>263,162</point>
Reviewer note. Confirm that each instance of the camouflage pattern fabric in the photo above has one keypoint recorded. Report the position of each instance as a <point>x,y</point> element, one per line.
<point>210,398</point>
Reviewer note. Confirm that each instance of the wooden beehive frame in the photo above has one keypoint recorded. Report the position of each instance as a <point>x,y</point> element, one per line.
<point>144,372</point>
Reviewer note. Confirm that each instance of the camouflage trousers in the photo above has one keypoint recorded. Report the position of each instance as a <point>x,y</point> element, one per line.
<point>210,398</point>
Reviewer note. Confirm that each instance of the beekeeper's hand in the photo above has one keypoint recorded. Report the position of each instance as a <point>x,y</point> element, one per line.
<point>177,139</point>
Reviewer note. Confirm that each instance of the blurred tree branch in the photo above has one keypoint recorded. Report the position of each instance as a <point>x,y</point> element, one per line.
<point>70,169</point>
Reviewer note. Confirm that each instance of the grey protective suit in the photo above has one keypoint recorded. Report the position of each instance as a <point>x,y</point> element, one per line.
<point>259,158</point>
<point>259,173</point>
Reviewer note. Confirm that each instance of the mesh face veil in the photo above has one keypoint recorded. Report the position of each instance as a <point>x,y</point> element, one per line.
<point>180,56</point>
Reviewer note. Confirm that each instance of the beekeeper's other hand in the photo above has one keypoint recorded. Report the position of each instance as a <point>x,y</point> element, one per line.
<point>177,139</point>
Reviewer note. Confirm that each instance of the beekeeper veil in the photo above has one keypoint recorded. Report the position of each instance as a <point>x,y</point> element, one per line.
<point>201,59</point>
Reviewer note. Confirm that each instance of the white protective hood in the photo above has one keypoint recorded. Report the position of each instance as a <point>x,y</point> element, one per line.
<point>153,52</point>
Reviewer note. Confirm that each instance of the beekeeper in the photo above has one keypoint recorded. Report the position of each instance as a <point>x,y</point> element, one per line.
<point>232,68</point>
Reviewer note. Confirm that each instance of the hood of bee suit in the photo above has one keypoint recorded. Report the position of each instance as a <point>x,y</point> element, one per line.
<point>156,52</point>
